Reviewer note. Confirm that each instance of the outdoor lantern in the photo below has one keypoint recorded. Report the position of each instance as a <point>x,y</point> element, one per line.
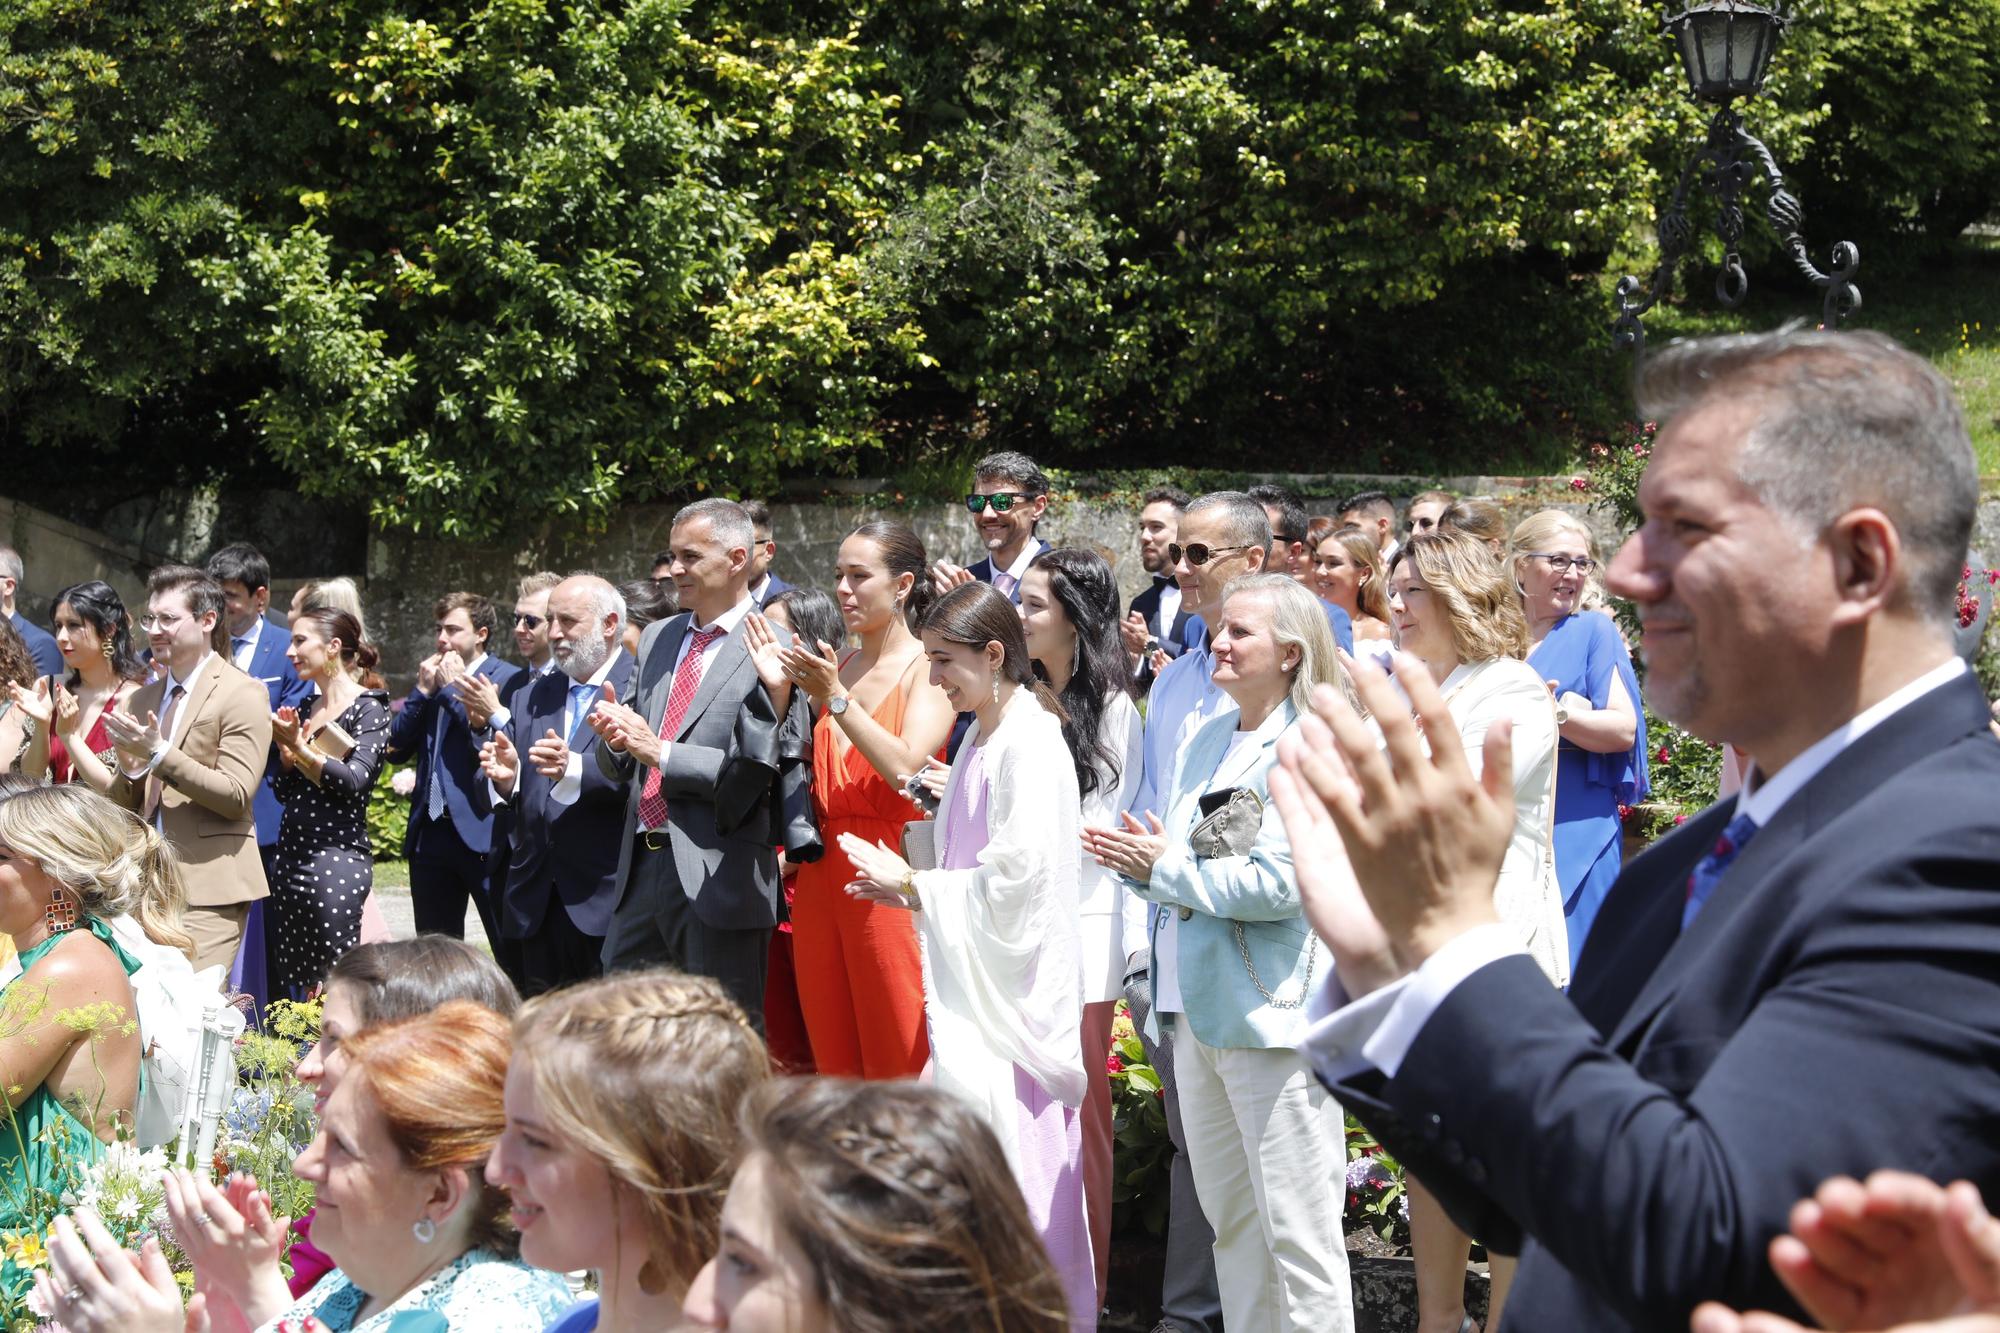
<point>1726,47</point>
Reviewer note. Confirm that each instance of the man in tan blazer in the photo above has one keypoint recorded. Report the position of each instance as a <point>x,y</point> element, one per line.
<point>191,752</point>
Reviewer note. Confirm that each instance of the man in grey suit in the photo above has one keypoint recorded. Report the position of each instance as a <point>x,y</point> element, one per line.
<point>710,739</point>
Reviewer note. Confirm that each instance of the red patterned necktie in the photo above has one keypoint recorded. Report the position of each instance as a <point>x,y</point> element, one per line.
<point>687,679</point>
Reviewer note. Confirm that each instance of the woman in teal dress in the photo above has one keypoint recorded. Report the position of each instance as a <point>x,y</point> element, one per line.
<point>70,861</point>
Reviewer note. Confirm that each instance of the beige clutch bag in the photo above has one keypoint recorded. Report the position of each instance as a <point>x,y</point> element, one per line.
<point>331,741</point>
<point>920,844</point>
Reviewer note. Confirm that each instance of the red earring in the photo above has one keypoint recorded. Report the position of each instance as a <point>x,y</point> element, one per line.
<point>60,914</point>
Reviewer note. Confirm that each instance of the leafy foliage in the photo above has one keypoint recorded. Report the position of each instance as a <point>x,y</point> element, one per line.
<point>1141,1152</point>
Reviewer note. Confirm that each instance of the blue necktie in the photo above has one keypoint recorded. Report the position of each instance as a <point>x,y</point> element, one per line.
<point>236,647</point>
<point>579,709</point>
<point>1709,869</point>
<point>435,805</point>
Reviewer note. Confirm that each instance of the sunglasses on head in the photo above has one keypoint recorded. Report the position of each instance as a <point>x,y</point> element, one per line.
<point>1001,502</point>
<point>532,622</point>
<point>1198,554</point>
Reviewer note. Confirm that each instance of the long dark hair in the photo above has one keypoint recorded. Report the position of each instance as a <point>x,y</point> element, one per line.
<point>975,615</point>
<point>1082,585</point>
<point>814,615</point>
<point>99,606</point>
<point>902,553</point>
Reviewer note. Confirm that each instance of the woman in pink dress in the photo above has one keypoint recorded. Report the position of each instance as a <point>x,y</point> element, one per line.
<point>94,633</point>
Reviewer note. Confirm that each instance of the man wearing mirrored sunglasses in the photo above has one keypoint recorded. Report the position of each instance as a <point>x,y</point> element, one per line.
<point>1009,495</point>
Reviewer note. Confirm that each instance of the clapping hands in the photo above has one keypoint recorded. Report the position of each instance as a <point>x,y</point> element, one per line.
<point>624,730</point>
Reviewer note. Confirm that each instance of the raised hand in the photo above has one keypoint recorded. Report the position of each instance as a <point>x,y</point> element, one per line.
<point>766,654</point>
<point>69,713</point>
<point>135,740</point>
<point>285,728</point>
<point>450,668</point>
<point>817,673</point>
<point>36,702</point>
<point>945,576</point>
<point>624,729</point>
<point>549,755</point>
<point>428,678</point>
<point>1424,835</point>
<point>878,872</point>
<point>92,1286</point>
<point>234,1241</point>
<point>501,762</point>
<point>1132,849</point>
<point>481,698</point>
<point>1133,631</point>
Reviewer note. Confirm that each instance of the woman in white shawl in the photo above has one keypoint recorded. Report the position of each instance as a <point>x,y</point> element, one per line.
<point>998,918</point>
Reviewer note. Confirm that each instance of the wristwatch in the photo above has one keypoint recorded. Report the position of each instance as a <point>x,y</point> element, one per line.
<point>837,705</point>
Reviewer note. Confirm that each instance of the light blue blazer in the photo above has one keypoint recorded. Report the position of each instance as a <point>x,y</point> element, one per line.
<point>1215,898</point>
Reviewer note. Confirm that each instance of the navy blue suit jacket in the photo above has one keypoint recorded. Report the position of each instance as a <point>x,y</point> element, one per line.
<point>982,569</point>
<point>566,853</point>
<point>273,670</point>
<point>413,735</point>
<point>1834,1008</point>
<point>512,699</point>
<point>771,591</point>
<point>41,646</point>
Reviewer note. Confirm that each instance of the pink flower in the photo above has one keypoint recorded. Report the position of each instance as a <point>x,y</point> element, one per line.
<point>1624,813</point>
<point>1680,820</point>
<point>1639,451</point>
<point>1579,483</point>
<point>1665,756</point>
<point>1992,577</point>
<point>1114,1065</point>
<point>1652,426</point>
<point>1599,451</point>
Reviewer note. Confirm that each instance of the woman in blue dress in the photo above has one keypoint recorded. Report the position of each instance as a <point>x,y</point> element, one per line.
<point>1601,757</point>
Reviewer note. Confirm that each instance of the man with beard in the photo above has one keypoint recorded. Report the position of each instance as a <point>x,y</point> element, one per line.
<point>1158,619</point>
<point>1009,496</point>
<point>567,815</point>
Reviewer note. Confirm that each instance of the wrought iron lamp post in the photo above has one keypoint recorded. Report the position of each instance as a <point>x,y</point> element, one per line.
<point>1725,47</point>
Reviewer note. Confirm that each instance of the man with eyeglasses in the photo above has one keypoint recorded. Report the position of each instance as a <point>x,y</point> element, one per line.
<point>1290,555</point>
<point>191,748</point>
<point>1009,496</point>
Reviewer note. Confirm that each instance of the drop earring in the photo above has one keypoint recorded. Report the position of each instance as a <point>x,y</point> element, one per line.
<point>60,914</point>
<point>996,689</point>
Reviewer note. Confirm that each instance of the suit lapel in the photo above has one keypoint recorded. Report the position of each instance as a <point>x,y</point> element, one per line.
<point>1933,722</point>
<point>198,694</point>
<point>1234,766</point>
<point>667,649</point>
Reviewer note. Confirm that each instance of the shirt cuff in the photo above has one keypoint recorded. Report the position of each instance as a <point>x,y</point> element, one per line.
<point>1348,1037</point>
<point>570,785</point>
<point>159,753</point>
<point>498,719</point>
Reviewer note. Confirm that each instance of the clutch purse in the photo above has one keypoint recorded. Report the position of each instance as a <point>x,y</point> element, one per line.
<point>920,844</point>
<point>1229,823</point>
<point>333,742</point>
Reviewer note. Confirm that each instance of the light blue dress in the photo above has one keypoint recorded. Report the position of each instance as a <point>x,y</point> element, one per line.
<point>1583,654</point>
<point>479,1292</point>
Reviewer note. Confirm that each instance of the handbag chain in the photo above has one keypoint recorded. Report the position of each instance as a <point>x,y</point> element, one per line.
<point>1305,984</point>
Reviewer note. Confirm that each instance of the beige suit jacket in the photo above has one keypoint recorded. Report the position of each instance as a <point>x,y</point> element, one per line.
<point>208,779</point>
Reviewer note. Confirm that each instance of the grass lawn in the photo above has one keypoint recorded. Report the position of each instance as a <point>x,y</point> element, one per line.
<point>1946,307</point>
<point>392,875</point>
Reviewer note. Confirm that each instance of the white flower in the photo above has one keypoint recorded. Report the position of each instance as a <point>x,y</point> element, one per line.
<point>128,1207</point>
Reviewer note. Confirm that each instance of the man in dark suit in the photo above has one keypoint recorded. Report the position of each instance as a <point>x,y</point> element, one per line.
<point>1289,555</point>
<point>1009,496</point>
<point>451,811</point>
<point>41,644</point>
<point>764,585</point>
<point>1158,619</point>
<point>258,645</point>
<point>567,817</point>
<point>1804,980</point>
<point>705,743</point>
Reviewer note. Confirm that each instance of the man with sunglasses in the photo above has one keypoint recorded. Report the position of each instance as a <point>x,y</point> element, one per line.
<point>1009,496</point>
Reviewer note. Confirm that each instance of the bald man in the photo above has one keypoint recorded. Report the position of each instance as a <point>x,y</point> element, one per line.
<point>568,818</point>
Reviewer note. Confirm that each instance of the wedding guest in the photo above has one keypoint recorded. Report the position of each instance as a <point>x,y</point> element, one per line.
<point>260,648</point>
<point>1290,556</point>
<point>24,746</point>
<point>340,594</point>
<point>874,1208</point>
<point>1601,757</point>
<point>1426,507</point>
<point>1375,514</point>
<point>646,600</point>
<point>812,617</point>
<point>1069,610</point>
<point>94,633</point>
<point>330,748</point>
<point>1010,493</point>
<point>1347,571</point>
<point>404,1208</point>
<point>998,916</point>
<point>1265,1139</point>
<point>861,984</point>
<point>72,1087</point>
<point>764,585</point>
<point>622,1102</point>
<point>1456,611</point>
<point>191,748</point>
<point>41,645</point>
<point>1156,622</point>
<point>1477,516</point>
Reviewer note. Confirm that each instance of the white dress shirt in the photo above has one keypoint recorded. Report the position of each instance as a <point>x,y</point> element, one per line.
<point>247,654</point>
<point>1378,1030</point>
<point>570,785</point>
<point>501,716</point>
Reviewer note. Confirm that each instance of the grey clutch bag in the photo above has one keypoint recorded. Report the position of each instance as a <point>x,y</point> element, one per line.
<point>1228,825</point>
<point>920,844</point>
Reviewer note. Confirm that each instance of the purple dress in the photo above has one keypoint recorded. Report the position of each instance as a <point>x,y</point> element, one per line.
<point>1045,1142</point>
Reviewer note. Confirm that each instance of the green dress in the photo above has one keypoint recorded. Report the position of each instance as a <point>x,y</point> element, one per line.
<point>44,1148</point>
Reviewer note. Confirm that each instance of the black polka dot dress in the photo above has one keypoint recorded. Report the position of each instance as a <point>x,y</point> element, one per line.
<point>325,866</point>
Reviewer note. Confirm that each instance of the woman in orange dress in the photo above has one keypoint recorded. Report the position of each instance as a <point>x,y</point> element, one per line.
<point>860,978</point>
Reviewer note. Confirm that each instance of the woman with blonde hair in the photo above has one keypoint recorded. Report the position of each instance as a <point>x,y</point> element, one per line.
<point>71,864</point>
<point>1347,571</point>
<point>880,1207</point>
<point>1456,611</point>
<point>621,1133</point>
<point>1476,516</point>
<point>1601,757</point>
<point>1264,1137</point>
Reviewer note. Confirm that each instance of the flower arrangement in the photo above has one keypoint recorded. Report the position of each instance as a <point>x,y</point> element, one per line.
<point>1140,1152</point>
<point>1376,1195</point>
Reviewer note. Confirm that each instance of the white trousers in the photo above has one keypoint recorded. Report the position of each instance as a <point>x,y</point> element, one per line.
<point>1268,1149</point>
